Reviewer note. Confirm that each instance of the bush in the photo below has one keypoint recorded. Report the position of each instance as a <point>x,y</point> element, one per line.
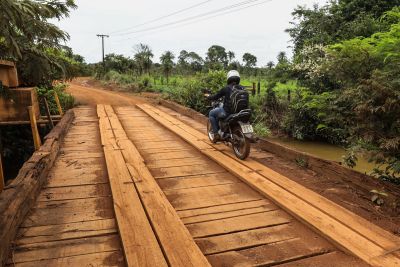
<point>66,100</point>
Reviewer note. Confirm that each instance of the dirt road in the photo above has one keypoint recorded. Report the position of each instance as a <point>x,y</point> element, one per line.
<point>86,94</point>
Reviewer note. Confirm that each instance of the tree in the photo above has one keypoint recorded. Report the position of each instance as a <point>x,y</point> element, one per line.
<point>270,65</point>
<point>143,58</point>
<point>118,63</point>
<point>27,36</point>
<point>217,57</point>
<point>195,61</point>
<point>231,56</point>
<point>249,60</point>
<point>282,58</point>
<point>24,26</point>
<point>167,62</point>
<point>337,21</point>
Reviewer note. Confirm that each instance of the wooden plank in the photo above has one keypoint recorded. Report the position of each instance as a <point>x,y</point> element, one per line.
<point>240,223</point>
<point>75,204</point>
<point>46,217</point>
<point>194,198</point>
<point>167,172</point>
<point>74,192</point>
<point>64,248</point>
<point>325,260</point>
<point>228,214</point>
<point>271,254</point>
<point>337,231</point>
<point>139,242</point>
<point>196,181</point>
<point>246,239</point>
<point>39,234</point>
<point>166,163</point>
<point>170,230</point>
<point>223,208</point>
<point>109,259</point>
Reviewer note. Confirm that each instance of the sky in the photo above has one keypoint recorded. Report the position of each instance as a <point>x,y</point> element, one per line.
<point>254,26</point>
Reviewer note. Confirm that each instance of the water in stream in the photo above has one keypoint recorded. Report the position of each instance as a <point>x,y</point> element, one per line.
<point>324,151</point>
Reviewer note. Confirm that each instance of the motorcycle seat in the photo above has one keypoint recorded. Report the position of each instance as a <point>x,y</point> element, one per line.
<point>242,115</point>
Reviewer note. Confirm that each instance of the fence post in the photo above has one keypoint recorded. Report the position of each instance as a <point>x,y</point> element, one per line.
<point>258,88</point>
<point>288,95</point>
<point>35,132</point>
<point>253,91</point>
<point>58,103</point>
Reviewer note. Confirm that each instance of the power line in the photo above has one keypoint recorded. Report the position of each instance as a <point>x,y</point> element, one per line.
<point>193,17</point>
<point>199,20</point>
<point>163,17</point>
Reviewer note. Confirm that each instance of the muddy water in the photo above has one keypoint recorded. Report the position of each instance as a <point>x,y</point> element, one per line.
<point>324,151</point>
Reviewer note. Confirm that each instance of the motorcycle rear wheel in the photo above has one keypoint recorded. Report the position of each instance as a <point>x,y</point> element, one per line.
<point>240,144</point>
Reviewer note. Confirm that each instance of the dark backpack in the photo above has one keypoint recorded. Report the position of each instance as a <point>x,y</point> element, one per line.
<point>239,99</point>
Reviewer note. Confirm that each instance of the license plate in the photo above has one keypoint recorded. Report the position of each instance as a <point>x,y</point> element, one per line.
<point>247,128</point>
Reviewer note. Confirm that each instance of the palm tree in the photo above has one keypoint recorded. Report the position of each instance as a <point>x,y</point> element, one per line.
<point>231,56</point>
<point>143,57</point>
<point>167,62</point>
<point>24,26</point>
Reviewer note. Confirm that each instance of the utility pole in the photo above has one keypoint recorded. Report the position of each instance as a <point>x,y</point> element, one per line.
<point>102,43</point>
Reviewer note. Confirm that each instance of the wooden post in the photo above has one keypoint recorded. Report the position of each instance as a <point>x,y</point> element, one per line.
<point>2,182</point>
<point>253,91</point>
<point>288,95</point>
<point>60,111</point>
<point>35,132</point>
<point>46,105</point>
<point>258,88</point>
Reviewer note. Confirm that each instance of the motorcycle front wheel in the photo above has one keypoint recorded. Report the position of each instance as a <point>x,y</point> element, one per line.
<point>240,144</point>
<point>210,133</point>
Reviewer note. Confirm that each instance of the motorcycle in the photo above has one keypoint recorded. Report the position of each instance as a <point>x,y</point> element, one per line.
<point>237,130</point>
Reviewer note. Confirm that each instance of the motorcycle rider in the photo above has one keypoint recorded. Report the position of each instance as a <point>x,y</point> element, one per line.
<point>220,113</point>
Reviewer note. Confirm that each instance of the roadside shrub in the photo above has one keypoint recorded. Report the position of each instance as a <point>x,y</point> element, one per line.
<point>67,100</point>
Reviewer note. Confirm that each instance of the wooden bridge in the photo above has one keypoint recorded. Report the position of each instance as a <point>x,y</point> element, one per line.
<point>142,186</point>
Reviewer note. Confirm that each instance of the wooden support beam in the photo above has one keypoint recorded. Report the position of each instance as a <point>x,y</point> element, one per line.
<point>60,111</point>
<point>345,229</point>
<point>35,131</point>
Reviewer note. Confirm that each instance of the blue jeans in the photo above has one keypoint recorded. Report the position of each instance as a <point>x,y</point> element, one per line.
<point>215,115</point>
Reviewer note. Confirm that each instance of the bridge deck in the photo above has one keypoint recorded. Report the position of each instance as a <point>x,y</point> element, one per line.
<point>167,202</point>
